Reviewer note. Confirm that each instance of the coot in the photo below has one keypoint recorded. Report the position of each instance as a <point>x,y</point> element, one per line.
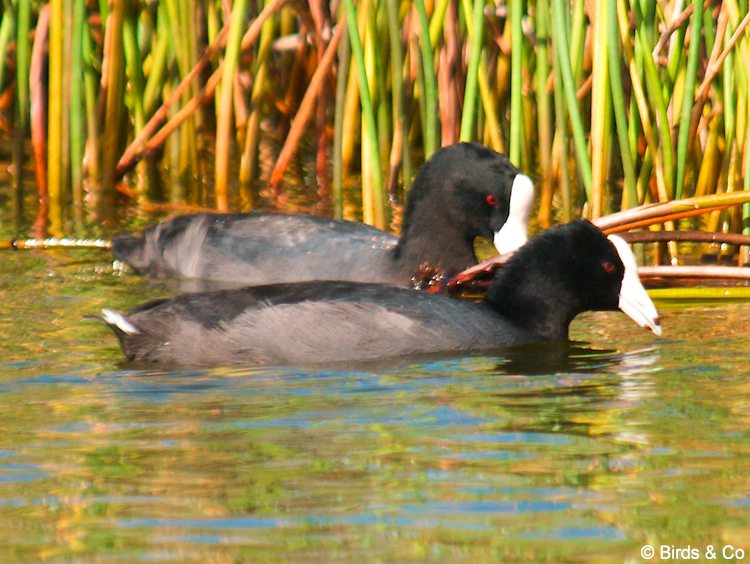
<point>463,191</point>
<point>557,275</point>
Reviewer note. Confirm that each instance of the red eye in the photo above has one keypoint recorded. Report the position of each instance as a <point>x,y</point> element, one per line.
<point>492,200</point>
<point>608,267</point>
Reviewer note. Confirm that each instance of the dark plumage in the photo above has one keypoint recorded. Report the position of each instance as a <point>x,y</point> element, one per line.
<point>462,192</point>
<point>556,276</point>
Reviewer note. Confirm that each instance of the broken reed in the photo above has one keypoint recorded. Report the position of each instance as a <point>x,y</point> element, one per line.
<point>610,104</point>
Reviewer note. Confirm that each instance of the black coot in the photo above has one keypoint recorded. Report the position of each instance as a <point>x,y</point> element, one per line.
<point>556,276</point>
<point>462,192</point>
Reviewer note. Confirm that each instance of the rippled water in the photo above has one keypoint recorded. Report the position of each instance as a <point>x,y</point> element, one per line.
<point>546,453</point>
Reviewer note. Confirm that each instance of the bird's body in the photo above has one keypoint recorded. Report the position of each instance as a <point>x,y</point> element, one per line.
<point>555,277</point>
<point>304,323</point>
<point>465,191</point>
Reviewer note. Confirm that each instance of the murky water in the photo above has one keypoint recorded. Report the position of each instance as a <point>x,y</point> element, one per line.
<point>549,453</point>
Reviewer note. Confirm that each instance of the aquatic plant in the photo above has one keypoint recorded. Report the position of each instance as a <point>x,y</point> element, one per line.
<point>612,104</point>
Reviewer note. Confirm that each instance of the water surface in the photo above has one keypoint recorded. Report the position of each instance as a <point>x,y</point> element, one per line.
<point>546,453</point>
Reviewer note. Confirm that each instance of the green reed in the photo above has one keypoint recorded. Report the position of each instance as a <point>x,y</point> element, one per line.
<point>430,88</point>
<point>610,104</point>
<point>21,114</point>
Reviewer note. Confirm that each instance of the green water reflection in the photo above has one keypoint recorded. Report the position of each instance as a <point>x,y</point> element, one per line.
<point>546,453</point>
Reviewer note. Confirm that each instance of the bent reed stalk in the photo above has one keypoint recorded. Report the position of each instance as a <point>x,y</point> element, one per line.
<point>610,105</point>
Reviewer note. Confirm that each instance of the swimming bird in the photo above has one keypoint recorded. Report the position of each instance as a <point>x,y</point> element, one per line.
<point>557,275</point>
<point>462,192</point>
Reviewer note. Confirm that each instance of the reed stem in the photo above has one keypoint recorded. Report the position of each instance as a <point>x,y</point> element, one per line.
<point>430,83</point>
<point>8,27</point>
<point>516,81</point>
<point>21,116</point>
<point>375,208</point>
<point>54,119</point>
<point>579,140</point>
<point>224,125</point>
<point>344,56</point>
<point>77,123</point>
<point>600,111</point>
<point>468,116</point>
<point>691,78</point>
<point>630,195</point>
<point>399,152</point>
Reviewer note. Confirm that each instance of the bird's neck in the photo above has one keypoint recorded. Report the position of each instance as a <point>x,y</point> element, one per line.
<point>434,240</point>
<point>542,310</point>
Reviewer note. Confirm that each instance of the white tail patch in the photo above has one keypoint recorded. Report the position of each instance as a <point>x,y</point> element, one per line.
<point>118,320</point>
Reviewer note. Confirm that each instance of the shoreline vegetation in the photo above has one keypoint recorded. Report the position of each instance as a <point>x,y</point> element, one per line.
<point>181,105</point>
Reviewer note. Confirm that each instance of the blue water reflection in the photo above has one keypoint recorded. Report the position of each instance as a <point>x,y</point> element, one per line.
<point>546,453</point>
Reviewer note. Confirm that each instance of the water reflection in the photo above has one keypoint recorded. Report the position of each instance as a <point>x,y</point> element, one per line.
<point>555,358</point>
<point>549,453</point>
